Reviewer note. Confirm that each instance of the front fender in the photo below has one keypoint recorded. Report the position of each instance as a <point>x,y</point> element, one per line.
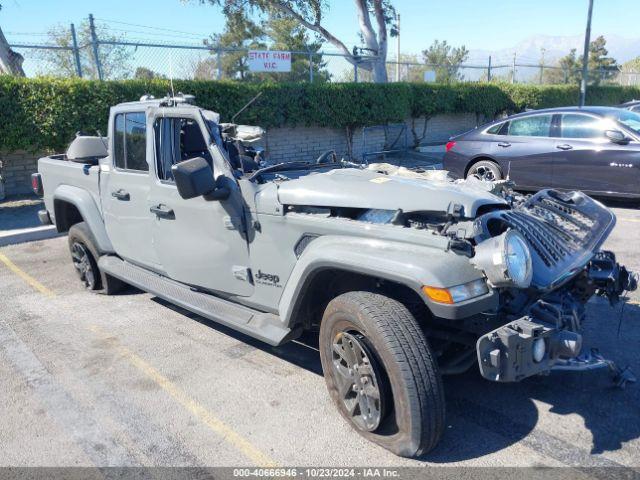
<point>411,265</point>
<point>90,212</point>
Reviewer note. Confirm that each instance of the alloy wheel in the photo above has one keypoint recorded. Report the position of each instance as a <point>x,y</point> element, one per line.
<point>82,262</point>
<point>359,380</point>
<point>484,173</point>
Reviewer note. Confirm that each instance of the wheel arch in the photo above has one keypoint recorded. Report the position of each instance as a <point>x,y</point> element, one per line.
<point>73,205</point>
<point>323,284</point>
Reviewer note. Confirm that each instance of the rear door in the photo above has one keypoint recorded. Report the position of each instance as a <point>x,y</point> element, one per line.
<point>198,242</point>
<point>586,160</point>
<point>524,147</point>
<point>124,191</point>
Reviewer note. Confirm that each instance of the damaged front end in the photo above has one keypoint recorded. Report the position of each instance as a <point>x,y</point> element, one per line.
<point>564,233</point>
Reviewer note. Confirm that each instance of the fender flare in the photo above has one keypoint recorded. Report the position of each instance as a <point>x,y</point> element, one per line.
<point>86,205</point>
<point>409,265</point>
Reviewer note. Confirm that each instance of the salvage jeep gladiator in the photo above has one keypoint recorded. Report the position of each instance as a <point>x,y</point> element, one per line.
<point>404,274</point>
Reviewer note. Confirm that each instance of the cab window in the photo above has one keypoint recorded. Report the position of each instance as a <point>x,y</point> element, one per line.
<point>534,126</point>
<point>580,126</point>
<point>130,142</point>
<point>177,139</point>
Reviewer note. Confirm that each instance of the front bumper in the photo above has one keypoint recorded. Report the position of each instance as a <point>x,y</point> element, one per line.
<point>507,353</point>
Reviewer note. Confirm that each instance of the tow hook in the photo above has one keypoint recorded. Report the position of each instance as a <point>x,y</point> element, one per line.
<point>593,360</point>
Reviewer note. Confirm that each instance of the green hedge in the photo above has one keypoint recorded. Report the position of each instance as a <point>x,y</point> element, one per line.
<point>44,113</point>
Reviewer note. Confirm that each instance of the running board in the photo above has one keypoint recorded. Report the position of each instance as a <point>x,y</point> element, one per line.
<point>263,326</point>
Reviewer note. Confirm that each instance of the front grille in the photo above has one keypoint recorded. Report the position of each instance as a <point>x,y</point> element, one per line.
<point>563,231</point>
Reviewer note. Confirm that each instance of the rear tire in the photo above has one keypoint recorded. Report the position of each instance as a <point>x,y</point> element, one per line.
<point>381,373</point>
<point>85,255</point>
<point>485,170</point>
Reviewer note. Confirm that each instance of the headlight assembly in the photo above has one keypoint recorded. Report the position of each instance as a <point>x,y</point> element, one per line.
<point>505,260</point>
<point>457,293</point>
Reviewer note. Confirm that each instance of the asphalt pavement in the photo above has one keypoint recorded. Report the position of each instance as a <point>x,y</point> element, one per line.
<point>129,380</point>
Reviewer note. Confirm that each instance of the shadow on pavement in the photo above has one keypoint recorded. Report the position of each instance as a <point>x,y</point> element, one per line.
<point>20,212</point>
<point>484,417</point>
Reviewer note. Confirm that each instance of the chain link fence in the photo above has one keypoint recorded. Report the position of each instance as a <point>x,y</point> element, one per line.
<point>92,54</point>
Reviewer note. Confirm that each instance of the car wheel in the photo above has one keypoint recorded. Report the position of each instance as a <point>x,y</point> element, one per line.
<point>485,170</point>
<point>381,373</point>
<point>84,264</point>
<point>84,255</point>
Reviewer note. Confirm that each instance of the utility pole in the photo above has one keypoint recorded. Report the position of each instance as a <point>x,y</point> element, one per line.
<point>489,70</point>
<point>513,69</point>
<point>76,51</point>
<point>542,64</point>
<point>94,43</point>
<point>398,48</point>
<point>585,57</point>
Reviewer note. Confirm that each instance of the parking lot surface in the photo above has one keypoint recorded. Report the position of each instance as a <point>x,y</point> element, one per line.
<point>91,380</point>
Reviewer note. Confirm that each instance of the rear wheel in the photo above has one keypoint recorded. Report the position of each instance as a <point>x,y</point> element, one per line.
<point>485,170</point>
<point>381,373</point>
<point>84,255</point>
<point>85,265</point>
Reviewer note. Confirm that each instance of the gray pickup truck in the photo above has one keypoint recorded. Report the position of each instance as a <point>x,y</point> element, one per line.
<point>405,275</point>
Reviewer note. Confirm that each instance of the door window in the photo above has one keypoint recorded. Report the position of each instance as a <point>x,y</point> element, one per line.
<point>534,126</point>
<point>497,130</point>
<point>574,125</point>
<point>177,140</point>
<point>130,142</point>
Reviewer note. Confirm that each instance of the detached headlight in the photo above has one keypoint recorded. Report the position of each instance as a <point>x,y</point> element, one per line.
<point>505,260</point>
<point>458,293</point>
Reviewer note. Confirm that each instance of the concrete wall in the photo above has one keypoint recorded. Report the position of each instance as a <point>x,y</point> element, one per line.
<point>283,144</point>
<point>16,170</point>
<point>307,143</point>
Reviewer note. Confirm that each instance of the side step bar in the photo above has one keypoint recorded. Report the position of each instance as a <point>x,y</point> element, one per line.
<point>263,326</point>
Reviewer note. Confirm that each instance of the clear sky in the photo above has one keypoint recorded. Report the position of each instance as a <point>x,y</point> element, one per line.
<point>478,24</point>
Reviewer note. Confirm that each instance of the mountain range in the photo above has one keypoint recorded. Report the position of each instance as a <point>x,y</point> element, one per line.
<point>529,50</point>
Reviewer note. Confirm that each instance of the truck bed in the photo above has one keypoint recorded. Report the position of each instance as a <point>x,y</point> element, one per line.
<point>57,170</point>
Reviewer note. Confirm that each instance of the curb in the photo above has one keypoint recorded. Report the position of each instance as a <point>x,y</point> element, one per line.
<point>23,235</point>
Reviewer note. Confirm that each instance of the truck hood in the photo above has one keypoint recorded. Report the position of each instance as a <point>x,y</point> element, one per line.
<point>368,188</point>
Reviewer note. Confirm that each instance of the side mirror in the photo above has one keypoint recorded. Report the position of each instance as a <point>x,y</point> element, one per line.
<point>616,136</point>
<point>193,178</point>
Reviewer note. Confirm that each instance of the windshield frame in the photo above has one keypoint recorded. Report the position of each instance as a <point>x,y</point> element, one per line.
<point>617,114</point>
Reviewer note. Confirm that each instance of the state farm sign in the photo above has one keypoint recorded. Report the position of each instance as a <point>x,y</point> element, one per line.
<point>269,61</point>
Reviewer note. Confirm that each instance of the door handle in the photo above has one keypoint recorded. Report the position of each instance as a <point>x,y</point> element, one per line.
<point>121,195</point>
<point>162,211</point>
<point>504,144</point>
<point>564,146</point>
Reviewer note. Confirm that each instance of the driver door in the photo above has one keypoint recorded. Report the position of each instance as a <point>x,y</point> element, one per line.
<point>198,242</point>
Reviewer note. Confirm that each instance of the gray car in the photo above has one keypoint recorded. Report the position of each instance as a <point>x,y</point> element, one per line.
<point>593,149</point>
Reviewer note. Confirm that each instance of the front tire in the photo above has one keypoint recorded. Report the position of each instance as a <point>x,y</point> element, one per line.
<point>381,373</point>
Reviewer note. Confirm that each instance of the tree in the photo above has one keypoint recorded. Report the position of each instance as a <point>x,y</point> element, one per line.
<point>10,61</point>
<point>114,59</point>
<point>630,72</point>
<point>445,60</point>
<point>204,69</point>
<point>601,66</point>
<point>567,70</point>
<point>240,33</point>
<point>144,73</point>
<point>287,34</point>
<point>309,14</point>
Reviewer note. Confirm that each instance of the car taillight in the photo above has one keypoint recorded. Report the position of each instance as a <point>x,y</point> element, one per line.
<point>449,146</point>
<point>36,183</point>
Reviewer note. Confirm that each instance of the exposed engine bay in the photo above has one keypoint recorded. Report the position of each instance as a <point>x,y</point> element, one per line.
<point>541,253</point>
